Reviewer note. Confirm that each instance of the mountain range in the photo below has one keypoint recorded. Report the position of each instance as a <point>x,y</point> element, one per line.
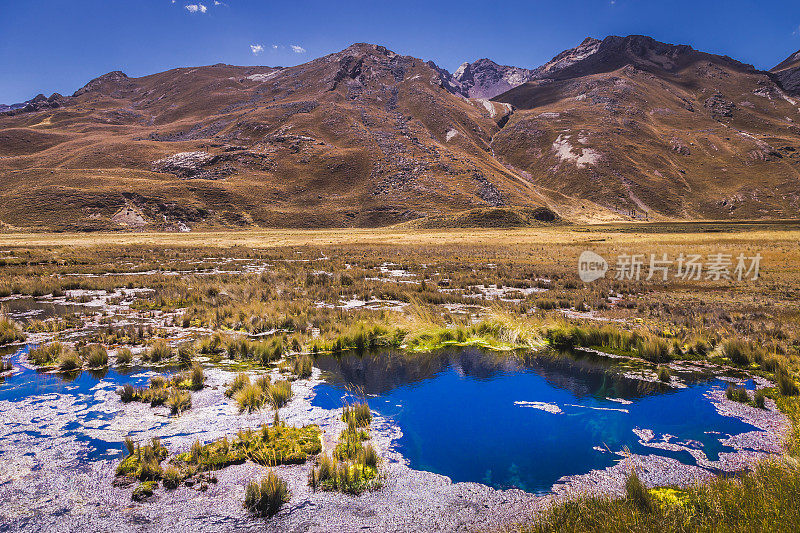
<point>624,128</point>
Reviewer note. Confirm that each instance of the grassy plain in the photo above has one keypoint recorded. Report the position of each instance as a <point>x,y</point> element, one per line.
<point>312,291</point>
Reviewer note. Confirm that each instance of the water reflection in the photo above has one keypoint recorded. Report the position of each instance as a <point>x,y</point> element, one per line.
<point>524,421</point>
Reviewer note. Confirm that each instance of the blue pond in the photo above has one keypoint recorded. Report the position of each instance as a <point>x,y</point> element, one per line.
<point>476,417</point>
<point>38,388</point>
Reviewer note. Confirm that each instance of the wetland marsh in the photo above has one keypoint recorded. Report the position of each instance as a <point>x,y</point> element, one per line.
<point>499,385</point>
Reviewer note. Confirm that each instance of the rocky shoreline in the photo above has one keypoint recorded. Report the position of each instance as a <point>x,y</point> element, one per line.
<point>51,489</point>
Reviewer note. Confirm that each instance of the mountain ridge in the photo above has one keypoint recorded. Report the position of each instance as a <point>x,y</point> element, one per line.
<point>366,137</point>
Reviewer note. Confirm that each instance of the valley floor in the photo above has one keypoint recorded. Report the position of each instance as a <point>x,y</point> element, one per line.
<point>223,298</point>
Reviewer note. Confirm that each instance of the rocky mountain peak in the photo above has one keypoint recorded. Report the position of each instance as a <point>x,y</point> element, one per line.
<point>110,80</point>
<point>486,79</point>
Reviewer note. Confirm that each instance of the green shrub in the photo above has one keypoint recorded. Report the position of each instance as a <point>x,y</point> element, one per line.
<point>267,497</point>
<point>664,374</point>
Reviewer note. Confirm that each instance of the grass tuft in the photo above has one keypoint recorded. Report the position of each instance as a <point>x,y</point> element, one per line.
<point>265,498</point>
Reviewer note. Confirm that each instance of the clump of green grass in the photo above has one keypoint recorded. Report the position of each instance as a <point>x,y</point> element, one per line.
<point>159,351</point>
<point>171,477</point>
<point>186,354</point>
<point>664,374</point>
<point>737,394</point>
<point>95,355</point>
<point>124,356</point>
<point>198,377</point>
<point>127,393</point>
<point>762,500</point>
<point>359,413</point>
<point>47,355</point>
<point>170,392</point>
<point>301,367</point>
<point>239,382</point>
<point>179,401</point>
<point>786,385</point>
<point>212,345</point>
<point>350,477</point>
<point>637,493</point>
<point>759,399</point>
<point>250,398</point>
<point>738,351</point>
<point>69,361</point>
<point>265,498</point>
<point>279,393</point>
<point>143,462</point>
<point>10,331</point>
<point>353,467</point>
<point>267,352</point>
<point>654,349</point>
<point>144,490</point>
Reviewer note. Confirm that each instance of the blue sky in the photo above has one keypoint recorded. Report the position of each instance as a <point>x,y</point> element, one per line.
<point>51,46</point>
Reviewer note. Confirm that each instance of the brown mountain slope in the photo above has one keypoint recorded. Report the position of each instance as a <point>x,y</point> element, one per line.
<point>656,130</point>
<point>368,137</point>
<point>362,137</point>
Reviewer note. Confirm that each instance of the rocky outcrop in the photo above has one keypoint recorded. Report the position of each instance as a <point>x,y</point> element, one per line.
<point>569,57</point>
<point>38,103</point>
<point>719,107</point>
<point>787,74</point>
<point>187,165</point>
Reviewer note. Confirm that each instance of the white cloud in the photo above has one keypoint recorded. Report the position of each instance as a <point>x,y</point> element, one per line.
<point>274,46</point>
<point>196,8</point>
<point>298,49</point>
<point>256,48</point>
